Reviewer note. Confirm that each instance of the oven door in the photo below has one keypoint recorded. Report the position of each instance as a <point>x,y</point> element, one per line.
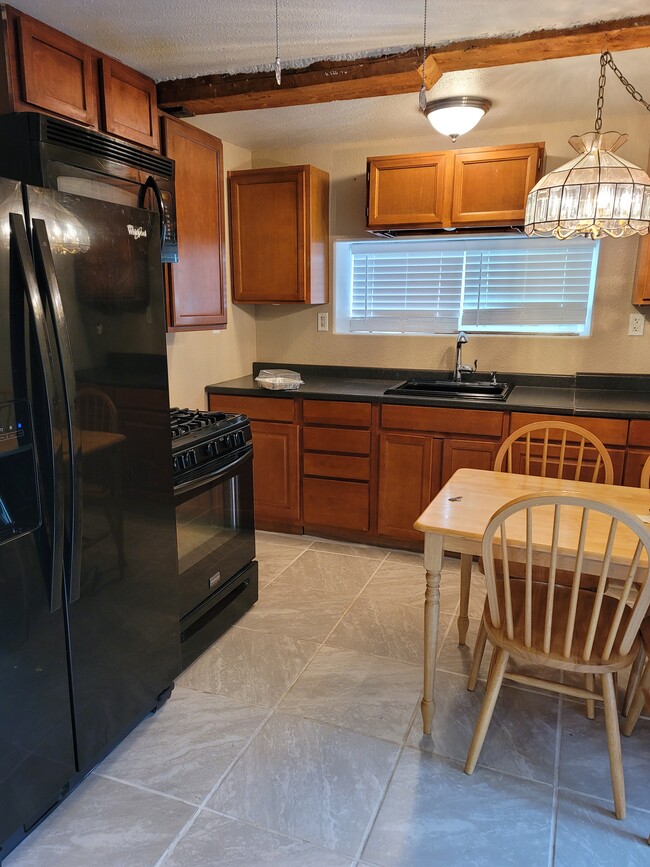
<point>214,526</point>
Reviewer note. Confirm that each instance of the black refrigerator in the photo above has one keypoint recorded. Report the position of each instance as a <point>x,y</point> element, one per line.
<point>89,634</point>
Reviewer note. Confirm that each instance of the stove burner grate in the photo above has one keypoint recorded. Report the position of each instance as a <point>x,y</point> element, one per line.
<point>185,421</point>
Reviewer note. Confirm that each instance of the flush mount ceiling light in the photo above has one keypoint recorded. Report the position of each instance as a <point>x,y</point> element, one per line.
<point>598,193</point>
<point>456,115</point>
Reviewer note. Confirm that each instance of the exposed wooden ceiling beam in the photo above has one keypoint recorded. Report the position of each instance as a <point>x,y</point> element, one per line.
<point>323,81</point>
<point>620,35</point>
<point>328,80</point>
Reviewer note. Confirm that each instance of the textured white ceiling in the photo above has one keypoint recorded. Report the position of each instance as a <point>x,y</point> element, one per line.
<point>178,38</point>
<point>172,38</point>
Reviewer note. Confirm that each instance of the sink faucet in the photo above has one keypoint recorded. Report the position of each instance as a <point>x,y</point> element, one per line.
<point>460,368</point>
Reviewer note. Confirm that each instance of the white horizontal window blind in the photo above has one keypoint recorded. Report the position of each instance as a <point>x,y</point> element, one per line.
<point>436,286</point>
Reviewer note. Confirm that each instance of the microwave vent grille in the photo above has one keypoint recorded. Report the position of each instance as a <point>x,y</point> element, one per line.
<point>87,141</point>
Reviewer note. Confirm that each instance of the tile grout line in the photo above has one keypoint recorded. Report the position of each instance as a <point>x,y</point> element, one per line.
<point>199,809</point>
<point>556,778</point>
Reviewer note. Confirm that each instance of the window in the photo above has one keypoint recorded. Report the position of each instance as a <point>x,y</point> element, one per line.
<point>512,284</point>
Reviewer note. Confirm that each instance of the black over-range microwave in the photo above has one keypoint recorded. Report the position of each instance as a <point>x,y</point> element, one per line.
<point>47,152</point>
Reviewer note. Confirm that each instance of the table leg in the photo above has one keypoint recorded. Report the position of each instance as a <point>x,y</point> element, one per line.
<point>465,585</point>
<point>433,552</point>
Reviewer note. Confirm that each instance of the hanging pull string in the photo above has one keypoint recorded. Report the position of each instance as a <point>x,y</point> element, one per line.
<point>278,64</point>
<point>606,60</point>
<point>423,89</point>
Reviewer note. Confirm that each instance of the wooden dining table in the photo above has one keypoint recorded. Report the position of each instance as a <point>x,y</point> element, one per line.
<point>454,522</point>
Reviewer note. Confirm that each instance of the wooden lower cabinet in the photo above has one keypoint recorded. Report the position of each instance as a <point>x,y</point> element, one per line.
<point>337,504</point>
<point>276,457</point>
<point>409,473</point>
<point>276,472</point>
<point>460,454</point>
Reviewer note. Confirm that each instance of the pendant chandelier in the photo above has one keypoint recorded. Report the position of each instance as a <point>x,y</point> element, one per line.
<point>598,193</point>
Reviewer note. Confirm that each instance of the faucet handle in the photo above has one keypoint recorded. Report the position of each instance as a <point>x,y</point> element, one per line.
<point>494,377</point>
<point>475,364</point>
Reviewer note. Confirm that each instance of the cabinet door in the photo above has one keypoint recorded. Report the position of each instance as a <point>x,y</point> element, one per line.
<point>475,454</point>
<point>491,185</point>
<point>129,104</point>
<point>409,469</point>
<point>276,466</point>
<point>407,191</point>
<point>269,236</point>
<point>641,293</point>
<point>634,464</point>
<point>197,284</point>
<point>57,72</point>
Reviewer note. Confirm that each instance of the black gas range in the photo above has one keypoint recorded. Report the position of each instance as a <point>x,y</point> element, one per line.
<point>212,455</point>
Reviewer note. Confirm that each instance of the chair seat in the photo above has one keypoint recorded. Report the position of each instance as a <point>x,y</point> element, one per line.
<point>555,658</point>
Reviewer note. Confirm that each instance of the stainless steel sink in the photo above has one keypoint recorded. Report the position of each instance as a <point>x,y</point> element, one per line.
<point>436,388</point>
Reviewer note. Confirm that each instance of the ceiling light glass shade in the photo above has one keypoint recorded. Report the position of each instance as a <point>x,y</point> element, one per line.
<point>596,194</point>
<point>456,115</point>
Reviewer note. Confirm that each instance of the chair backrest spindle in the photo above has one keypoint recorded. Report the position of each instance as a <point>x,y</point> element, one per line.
<point>549,449</point>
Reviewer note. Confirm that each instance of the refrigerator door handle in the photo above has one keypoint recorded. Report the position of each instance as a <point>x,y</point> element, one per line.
<point>46,352</point>
<point>152,184</point>
<point>66,362</point>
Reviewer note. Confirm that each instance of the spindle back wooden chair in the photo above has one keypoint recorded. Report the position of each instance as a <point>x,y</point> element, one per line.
<point>565,628</point>
<point>547,448</point>
<point>639,681</point>
<point>553,452</point>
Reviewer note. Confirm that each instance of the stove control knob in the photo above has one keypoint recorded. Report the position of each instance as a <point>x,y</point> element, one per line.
<point>189,459</point>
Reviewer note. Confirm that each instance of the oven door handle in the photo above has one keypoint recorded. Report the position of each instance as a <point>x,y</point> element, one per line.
<point>221,473</point>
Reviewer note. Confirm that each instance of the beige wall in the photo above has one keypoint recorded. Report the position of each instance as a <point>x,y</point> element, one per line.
<point>288,334</point>
<point>198,358</point>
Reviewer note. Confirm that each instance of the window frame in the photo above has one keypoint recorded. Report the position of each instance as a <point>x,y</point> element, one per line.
<point>342,289</point>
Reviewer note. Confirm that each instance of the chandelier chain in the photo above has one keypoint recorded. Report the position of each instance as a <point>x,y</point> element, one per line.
<point>278,65</point>
<point>606,60</point>
<point>423,88</point>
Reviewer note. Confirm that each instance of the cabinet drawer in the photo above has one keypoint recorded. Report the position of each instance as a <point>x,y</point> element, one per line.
<point>329,503</point>
<point>441,420</point>
<point>325,439</point>
<point>639,433</point>
<point>259,408</point>
<point>336,466</point>
<point>610,431</point>
<point>344,413</point>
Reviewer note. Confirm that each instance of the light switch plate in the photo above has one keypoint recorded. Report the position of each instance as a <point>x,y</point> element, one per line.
<point>637,323</point>
<point>323,322</point>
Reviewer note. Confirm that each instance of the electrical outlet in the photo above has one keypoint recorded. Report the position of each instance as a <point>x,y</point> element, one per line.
<point>323,322</point>
<point>637,322</point>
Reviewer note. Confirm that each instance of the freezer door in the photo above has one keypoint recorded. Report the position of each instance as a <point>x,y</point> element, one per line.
<point>99,268</point>
<point>36,746</point>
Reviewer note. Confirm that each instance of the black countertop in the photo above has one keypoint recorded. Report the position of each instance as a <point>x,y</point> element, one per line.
<point>606,395</point>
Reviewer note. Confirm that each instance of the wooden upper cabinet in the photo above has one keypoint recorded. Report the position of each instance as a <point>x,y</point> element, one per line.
<point>408,191</point>
<point>129,104</point>
<point>197,284</point>
<point>56,72</point>
<point>641,292</point>
<point>473,187</point>
<point>491,185</point>
<point>279,228</point>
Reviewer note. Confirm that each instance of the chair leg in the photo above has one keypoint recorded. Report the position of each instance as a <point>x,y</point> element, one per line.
<point>590,704</point>
<point>477,657</point>
<point>637,702</point>
<point>487,708</point>
<point>614,744</point>
<point>633,682</point>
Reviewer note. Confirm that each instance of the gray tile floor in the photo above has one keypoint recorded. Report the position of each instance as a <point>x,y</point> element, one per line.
<point>296,741</point>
